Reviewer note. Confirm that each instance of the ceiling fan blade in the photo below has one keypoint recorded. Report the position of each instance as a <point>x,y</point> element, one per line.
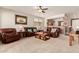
<point>37,9</point>
<point>40,7</point>
<point>45,9</point>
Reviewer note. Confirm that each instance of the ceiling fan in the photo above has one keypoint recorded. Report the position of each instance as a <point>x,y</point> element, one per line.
<point>42,9</point>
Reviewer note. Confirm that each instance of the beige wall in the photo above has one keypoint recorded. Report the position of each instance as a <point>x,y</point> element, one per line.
<point>8,19</point>
<point>0,18</point>
<point>65,16</point>
<point>54,17</point>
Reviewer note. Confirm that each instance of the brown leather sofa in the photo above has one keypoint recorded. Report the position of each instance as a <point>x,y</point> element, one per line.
<point>54,34</point>
<point>8,35</point>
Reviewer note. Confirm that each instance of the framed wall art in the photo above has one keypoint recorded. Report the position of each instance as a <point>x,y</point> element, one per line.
<point>20,19</point>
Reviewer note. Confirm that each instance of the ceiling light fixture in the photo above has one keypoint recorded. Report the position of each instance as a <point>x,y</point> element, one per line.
<point>41,9</point>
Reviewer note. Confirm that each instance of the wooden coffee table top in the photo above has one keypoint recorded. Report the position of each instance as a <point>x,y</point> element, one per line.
<point>39,33</point>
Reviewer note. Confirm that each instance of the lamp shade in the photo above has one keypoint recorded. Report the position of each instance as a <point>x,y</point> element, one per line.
<point>77,27</point>
<point>77,31</point>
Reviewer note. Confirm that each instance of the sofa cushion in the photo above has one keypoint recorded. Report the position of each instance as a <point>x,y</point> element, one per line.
<point>53,30</point>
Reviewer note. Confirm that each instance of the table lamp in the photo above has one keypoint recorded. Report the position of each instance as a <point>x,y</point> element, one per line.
<point>77,31</point>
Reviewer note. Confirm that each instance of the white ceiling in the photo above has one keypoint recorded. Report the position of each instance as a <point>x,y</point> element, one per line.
<point>52,10</point>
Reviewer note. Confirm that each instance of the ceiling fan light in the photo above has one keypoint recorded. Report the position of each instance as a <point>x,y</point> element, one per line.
<point>40,10</point>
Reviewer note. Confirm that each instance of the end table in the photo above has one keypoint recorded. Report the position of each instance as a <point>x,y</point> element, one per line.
<point>22,34</point>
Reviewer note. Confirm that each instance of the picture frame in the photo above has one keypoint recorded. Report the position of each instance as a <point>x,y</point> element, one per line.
<point>20,19</point>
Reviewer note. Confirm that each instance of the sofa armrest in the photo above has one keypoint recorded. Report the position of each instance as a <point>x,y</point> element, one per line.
<point>2,37</point>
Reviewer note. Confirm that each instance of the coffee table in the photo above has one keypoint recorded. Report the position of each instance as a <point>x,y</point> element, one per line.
<point>42,35</point>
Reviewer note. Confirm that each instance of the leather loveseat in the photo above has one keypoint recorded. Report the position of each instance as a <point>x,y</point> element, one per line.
<point>8,35</point>
<point>53,32</point>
